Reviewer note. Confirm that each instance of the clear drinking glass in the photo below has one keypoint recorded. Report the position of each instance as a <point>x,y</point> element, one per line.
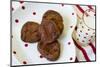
<point>84,32</point>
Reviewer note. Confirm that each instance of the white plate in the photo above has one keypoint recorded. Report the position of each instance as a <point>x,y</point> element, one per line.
<point>30,54</point>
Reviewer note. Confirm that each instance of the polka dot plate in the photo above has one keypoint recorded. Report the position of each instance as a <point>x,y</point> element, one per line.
<point>27,53</point>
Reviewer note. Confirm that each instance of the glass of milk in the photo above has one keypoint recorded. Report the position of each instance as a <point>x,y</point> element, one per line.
<point>84,32</point>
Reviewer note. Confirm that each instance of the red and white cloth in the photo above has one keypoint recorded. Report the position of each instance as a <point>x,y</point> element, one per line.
<point>84,39</point>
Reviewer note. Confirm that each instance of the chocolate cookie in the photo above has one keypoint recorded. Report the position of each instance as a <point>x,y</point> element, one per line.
<point>55,16</point>
<point>29,32</point>
<point>48,31</point>
<point>50,51</point>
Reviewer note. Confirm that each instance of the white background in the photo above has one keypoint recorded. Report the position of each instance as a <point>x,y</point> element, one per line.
<point>5,33</point>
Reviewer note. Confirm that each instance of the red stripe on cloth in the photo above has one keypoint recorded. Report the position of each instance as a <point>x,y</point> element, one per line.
<point>90,6</point>
<point>80,9</point>
<point>93,48</point>
<point>83,51</point>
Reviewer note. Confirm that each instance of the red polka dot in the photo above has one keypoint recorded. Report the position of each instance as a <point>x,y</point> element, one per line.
<point>71,58</point>
<point>84,37</point>
<point>86,33</point>
<point>79,35</point>
<point>14,52</point>
<point>62,5</point>
<point>91,36</point>
<point>80,31</point>
<point>80,22</point>
<point>82,26</point>
<point>87,15</point>
<point>71,26</point>
<point>24,62</point>
<point>34,13</point>
<point>72,13</point>
<point>88,29</point>
<point>82,40</point>
<point>26,45</point>
<point>23,7</point>
<point>21,2</point>
<point>69,43</point>
<point>12,9</point>
<point>77,39</point>
<point>41,56</point>
<point>16,20</point>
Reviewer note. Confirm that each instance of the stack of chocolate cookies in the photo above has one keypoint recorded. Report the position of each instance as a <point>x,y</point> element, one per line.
<point>46,34</point>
